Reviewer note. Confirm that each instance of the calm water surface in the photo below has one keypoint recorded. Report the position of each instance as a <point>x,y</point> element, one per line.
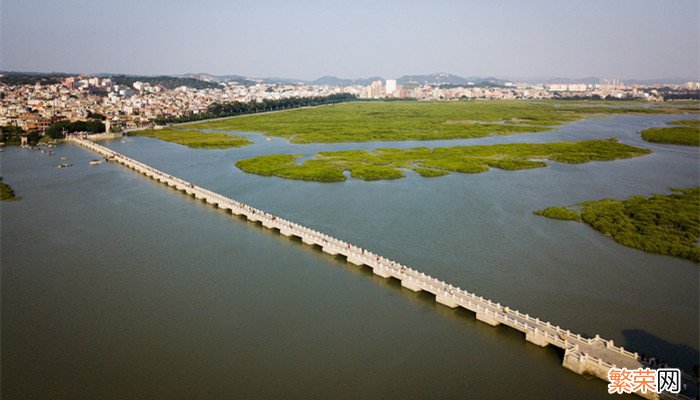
<point>115,287</point>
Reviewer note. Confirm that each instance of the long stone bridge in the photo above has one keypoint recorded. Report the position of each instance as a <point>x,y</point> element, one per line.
<point>585,356</point>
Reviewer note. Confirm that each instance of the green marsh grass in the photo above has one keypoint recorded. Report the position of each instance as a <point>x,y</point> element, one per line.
<point>388,163</point>
<point>421,120</point>
<point>194,138</point>
<point>687,133</point>
<point>662,224</point>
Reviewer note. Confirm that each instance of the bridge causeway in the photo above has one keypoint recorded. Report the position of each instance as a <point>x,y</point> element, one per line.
<point>585,356</point>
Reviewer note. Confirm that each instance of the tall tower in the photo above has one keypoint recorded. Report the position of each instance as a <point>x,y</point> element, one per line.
<point>108,125</point>
<point>390,86</point>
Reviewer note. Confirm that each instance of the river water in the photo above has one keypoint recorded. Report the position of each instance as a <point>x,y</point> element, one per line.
<point>116,287</point>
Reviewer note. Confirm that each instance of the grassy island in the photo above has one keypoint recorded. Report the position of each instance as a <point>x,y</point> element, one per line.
<point>6,192</point>
<point>422,120</point>
<point>194,138</point>
<point>562,213</point>
<point>388,163</point>
<point>687,132</point>
<point>663,224</point>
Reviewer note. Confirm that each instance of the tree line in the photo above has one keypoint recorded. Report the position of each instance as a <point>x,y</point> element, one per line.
<point>170,82</point>
<point>230,109</point>
<point>31,79</point>
<point>56,131</point>
<point>11,133</point>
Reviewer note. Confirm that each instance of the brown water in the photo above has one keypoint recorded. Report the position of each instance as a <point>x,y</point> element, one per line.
<point>115,287</point>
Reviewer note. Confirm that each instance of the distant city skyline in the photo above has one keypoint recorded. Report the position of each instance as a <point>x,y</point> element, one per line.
<point>543,38</point>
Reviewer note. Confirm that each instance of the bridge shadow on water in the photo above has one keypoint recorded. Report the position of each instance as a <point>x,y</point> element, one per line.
<point>467,318</point>
<point>502,333</point>
<point>674,354</point>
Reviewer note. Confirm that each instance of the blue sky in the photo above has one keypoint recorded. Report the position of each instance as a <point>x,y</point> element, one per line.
<point>307,39</point>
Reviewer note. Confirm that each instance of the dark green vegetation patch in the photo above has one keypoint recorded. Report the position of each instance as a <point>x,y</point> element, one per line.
<point>194,139</point>
<point>418,120</point>
<point>687,133</point>
<point>170,82</point>
<point>663,224</point>
<point>6,192</point>
<point>388,163</point>
<point>562,213</point>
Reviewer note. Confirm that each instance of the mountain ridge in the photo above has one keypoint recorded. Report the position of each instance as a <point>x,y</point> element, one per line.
<point>437,78</point>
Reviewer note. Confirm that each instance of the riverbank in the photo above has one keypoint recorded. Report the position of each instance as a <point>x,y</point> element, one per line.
<point>662,224</point>
<point>388,163</point>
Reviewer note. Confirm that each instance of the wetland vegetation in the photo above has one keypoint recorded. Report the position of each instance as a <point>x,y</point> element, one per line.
<point>562,213</point>
<point>422,120</point>
<point>390,163</point>
<point>685,132</point>
<point>193,138</point>
<point>6,192</point>
<point>663,224</point>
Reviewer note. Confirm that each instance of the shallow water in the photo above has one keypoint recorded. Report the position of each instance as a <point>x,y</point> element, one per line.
<point>116,287</point>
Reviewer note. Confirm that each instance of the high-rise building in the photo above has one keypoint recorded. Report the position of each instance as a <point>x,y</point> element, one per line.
<point>390,86</point>
<point>376,89</point>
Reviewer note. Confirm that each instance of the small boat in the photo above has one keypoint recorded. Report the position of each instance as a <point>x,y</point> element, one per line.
<point>268,139</point>
<point>97,161</point>
<point>123,141</point>
<point>64,158</point>
<point>64,165</point>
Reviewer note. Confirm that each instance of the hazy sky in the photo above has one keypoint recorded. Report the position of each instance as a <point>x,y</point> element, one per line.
<point>354,38</point>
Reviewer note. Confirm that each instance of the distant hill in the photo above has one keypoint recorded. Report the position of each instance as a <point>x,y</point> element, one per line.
<point>243,80</point>
<point>335,81</point>
<point>594,80</point>
<point>206,80</point>
<point>667,81</point>
<point>445,79</point>
<point>590,80</point>
<point>283,81</point>
<point>433,79</point>
<point>30,78</point>
<point>169,82</point>
<point>220,78</point>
